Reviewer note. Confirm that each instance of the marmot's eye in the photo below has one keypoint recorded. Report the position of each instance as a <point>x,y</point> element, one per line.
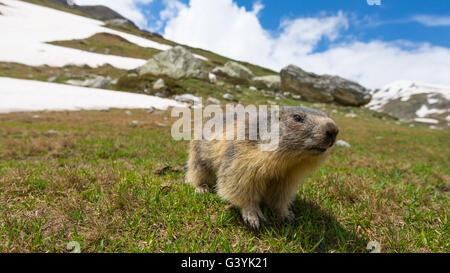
<point>298,118</point>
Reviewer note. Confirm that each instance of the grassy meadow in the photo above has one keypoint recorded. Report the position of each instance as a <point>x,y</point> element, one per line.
<point>113,186</point>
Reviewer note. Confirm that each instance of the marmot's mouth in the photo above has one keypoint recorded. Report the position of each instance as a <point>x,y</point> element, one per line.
<point>318,149</point>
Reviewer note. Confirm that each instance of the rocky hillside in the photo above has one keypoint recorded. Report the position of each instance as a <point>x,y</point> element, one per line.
<point>96,11</point>
<point>412,101</point>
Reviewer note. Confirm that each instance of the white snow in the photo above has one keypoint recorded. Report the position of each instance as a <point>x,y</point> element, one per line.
<point>403,90</point>
<point>18,95</point>
<point>425,111</point>
<point>27,27</point>
<point>427,120</point>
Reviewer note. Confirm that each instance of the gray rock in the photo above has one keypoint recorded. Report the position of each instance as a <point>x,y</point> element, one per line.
<point>151,110</point>
<point>177,63</point>
<point>159,84</point>
<point>51,132</point>
<point>296,97</point>
<point>342,143</point>
<point>97,82</point>
<point>323,88</point>
<point>128,113</point>
<point>188,98</point>
<point>118,23</point>
<point>52,79</point>
<point>272,81</point>
<point>212,77</point>
<point>287,94</point>
<point>228,96</point>
<point>213,100</point>
<point>235,70</point>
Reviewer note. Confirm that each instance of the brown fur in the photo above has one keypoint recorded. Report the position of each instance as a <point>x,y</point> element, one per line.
<point>244,175</point>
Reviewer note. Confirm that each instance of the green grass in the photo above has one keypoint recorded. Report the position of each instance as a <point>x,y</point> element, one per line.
<point>105,43</point>
<point>96,182</point>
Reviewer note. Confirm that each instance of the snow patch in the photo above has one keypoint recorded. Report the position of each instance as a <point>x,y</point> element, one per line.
<point>26,28</point>
<point>18,95</point>
<point>427,120</point>
<point>403,90</point>
<point>425,111</point>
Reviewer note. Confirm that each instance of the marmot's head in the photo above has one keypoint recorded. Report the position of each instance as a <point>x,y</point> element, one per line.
<point>307,130</point>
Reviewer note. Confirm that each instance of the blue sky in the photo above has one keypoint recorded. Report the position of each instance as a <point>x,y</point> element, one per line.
<point>392,20</point>
<point>371,44</point>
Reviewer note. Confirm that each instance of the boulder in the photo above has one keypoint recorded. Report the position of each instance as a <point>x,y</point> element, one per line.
<point>228,96</point>
<point>188,98</point>
<point>272,81</point>
<point>323,88</point>
<point>124,23</point>
<point>177,63</point>
<point>97,82</point>
<point>159,84</point>
<point>235,70</point>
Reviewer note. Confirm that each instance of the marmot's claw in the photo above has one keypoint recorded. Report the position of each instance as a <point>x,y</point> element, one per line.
<point>201,189</point>
<point>253,222</point>
<point>251,218</point>
<point>289,217</point>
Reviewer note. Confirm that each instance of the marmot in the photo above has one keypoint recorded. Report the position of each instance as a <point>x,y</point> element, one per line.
<point>244,175</point>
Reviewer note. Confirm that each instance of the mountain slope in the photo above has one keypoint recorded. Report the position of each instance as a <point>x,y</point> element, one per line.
<point>414,101</point>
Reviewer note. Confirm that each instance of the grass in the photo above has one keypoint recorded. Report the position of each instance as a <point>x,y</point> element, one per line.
<point>105,43</point>
<point>42,73</point>
<point>98,181</point>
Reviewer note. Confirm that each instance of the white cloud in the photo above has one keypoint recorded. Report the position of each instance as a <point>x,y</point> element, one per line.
<point>127,8</point>
<point>432,20</point>
<point>224,27</point>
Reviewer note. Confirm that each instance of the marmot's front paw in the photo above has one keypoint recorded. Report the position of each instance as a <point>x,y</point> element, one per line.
<point>251,217</point>
<point>202,189</point>
<point>287,216</point>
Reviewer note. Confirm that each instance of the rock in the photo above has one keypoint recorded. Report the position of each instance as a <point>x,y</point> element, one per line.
<point>97,82</point>
<point>228,96</point>
<point>128,113</point>
<point>351,115</point>
<point>342,143</point>
<point>212,77</point>
<point>272,81</point>
<point>118,23</point>
<point>188,98</point>
<point>151,110</point>
<point>135,123</point>
<point>51,132</point>
<point>52,79</point>
<point>36,116</point>
<point>323,88</point>
<point>287,94</point>
<point>160,94</point>
<point>177,63</point>
<point>253,88</point>
<point>296,97</point>
<point>235,70</point>
<point>213,100</point>
<point>159,84</point>
<point>271,102</point>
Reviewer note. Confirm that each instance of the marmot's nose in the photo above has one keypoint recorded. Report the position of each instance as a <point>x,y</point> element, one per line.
<point>331,132</point>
